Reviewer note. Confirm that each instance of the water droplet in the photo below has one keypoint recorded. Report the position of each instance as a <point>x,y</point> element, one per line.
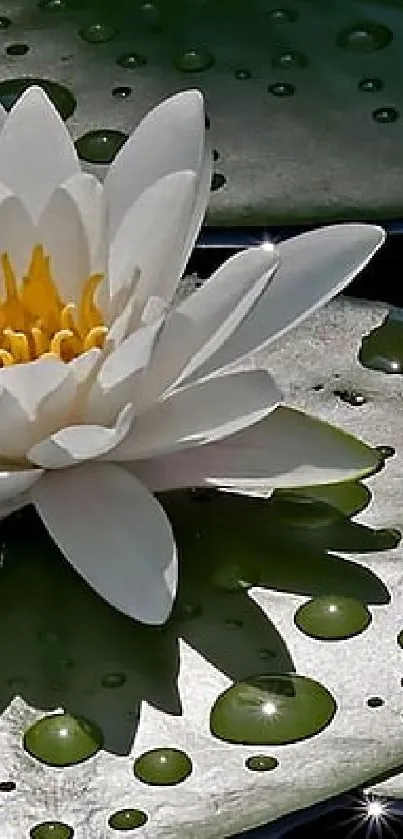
<point>281,89</point>
<point>98,33</point>
<point>283,15</point>
<point>163,767</point>
<point>365,36</point>
<point>131,60</point>
<point>194,60</point>
<point>121,92</point>
<point>351,397</point>
<point>113,680</point>
<point>401,682</point>
<point>207,122</point>
<point>52,830</point>
<point>7,786</point>
<point>62,740</point>
<point>216,154</point>
<point>150,15</point>
<point>382,349</point>
<point>63,100</point>
<point>233,623</point>
<point>332,617</point>
<point>235,576</point>
<point>186,611</point>
<point>127,819</point>
<point>291,58</point>
<point>272,710</point>
<point>17,49</point>
<point>373,85</point>
<point>101,145</point>
<point>53,5</point>
<point>261,763</point>
<point>5,22</point>
<point>375,702</point>
<point>385,115</point>
<point>318,387</point>
<point>243,73</point>
<point>265,653</point>
<point>217,181</point>
<point>386,451</point>
<point>400,639</point>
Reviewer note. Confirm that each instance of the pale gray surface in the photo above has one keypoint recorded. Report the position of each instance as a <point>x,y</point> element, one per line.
<point>222,797</point>
<point>316,155</point>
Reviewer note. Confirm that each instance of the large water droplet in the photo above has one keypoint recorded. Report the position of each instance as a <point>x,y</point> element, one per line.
<point>365,36</point>
<point>131,60</point>
<point>51,830</point>
<point>150,15</point>
<point>283,15</point>
<point>114,680</point>
<point>217,181</point>
<point>98,33</point>
<point>127,819</point>
<point>5,22</point>
<point>291,58</point>
<point>62,98</point>
<point>281,89</point>
<point>400,639</point>
<point>101,145</point>
<point>261,763</point>
<point>375,702</point>
<point>332,617</point>
<point>163,767</point>
<point>194,60</point>
<point>272,710</point>
<point>385,115</point>
<point>371,85</point>
<point>62,740</point>
<point>382,349</point>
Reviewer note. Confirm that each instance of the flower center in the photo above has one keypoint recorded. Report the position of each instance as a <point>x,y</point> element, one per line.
<point>36,323</point>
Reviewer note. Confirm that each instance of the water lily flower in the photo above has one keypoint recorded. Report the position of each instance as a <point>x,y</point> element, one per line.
<point>108,390</point>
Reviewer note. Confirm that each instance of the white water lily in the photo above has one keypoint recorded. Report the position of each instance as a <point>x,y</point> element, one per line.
<point>108,391</point>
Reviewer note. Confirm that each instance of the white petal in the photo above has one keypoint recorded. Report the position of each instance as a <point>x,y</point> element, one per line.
<point>152,236</point>
<point>15,481</point>
<point>121,541</point>
<point>88,195</point>
<point>76,443</point>
<point>35,400</point>
<point>199,325</point>
<point>62,233</point>
<point>287,449</point>
<point>16,232</point>
<point>84,365</point>
<point>203,191</point>
<point>200,414</point>
<point>170,138</point>
<point>313,268</point>
<point>36,151</point>
<point>120,374</point>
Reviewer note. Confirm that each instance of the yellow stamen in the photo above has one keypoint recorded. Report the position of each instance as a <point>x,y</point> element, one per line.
<point>36,323</point>
<point>95,337</point>
<point>18,345</point>
<point>6,358</point>
<point>90,315</point>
